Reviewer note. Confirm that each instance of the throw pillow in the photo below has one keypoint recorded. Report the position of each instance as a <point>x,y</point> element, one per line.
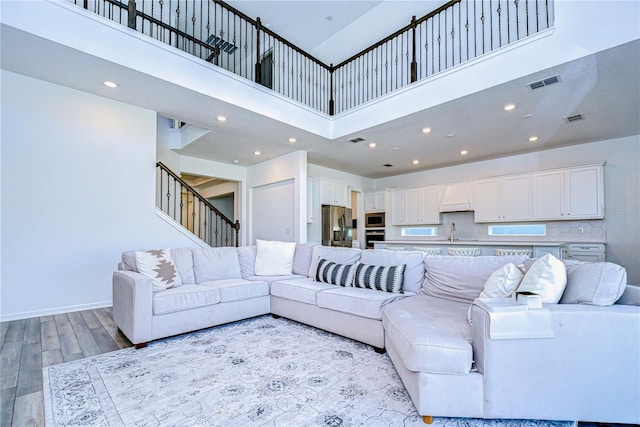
<point>379,278</point>
<point>158,266</point>
<point>546,277</point>
<point>274,258</point>
<point>334,274</point>
<point>503,282</point>
<point>594,283</point>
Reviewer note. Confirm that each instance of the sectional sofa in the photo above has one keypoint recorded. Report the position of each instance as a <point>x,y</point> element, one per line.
<point>582,364</point>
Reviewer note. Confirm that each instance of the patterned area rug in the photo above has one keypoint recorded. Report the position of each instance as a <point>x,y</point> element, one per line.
<point>257,372</point>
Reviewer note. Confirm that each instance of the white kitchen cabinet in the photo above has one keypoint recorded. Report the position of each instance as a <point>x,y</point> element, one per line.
<point>332,193</point>
<point>416,206</point>
<point>503,199</point>
<point>568,194</point>
<point>374,202</point>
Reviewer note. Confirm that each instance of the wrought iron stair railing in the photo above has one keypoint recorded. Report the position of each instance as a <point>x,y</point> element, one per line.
<point>182,203</point>
<point>456,32</point>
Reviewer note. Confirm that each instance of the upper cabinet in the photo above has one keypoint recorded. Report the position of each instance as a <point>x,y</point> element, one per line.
<point>503,199</point>
<point>575,193</point>
<point>374,202</point>
<point>416,206</point>
<point>333,193</point>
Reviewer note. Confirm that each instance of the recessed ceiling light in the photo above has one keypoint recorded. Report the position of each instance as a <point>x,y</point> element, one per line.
<point>222,118</point>
<point>527,116</point>
<point>449,135</point>
<point>509,107</point>
<point>464,152</point>
<point>533,139</point>
<point>292,140</point>
<point>257,153</point>
<point>395,149</point>
<point>426,130</point>
<point>236,161</point>
<point>372,144</point>
<point>415,162</point>
<point>110,84</point>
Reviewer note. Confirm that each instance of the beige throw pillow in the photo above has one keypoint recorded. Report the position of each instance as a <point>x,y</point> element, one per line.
<point>503,282</point>
<point>274,258</point>
<point>546,277</point>
<point>158,265</point>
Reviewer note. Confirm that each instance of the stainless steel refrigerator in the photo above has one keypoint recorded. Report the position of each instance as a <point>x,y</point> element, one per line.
<point>336,226</point>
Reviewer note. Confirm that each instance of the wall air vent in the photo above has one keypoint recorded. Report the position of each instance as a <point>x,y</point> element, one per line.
<point>358,139</point>
<point>224,46</point>
<point>387,165</point>
<point>544,82</point>
<point>574,118</point>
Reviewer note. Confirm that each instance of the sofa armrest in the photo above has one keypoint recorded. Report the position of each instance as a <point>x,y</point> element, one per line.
<point>133,305</point>
<point>588,371</point>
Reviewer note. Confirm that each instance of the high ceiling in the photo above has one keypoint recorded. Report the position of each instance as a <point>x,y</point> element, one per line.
<point>603,87</point>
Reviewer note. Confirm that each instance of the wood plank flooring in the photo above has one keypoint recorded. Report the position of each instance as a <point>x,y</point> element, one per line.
<point>31,344</point>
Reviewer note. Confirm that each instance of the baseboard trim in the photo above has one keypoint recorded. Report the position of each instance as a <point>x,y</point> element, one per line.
<point>51,311</point>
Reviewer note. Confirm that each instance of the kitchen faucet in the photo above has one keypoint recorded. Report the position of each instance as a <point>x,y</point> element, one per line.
<point>451,237</point>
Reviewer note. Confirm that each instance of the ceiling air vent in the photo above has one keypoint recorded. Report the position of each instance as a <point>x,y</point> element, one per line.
<point>544,82</point>
<point>574,118</point>
<point>224,45</point>
<point>358,139</point>
<point>387,165</point>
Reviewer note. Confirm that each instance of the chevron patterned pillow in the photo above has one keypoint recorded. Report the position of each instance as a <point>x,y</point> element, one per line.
<point>376,277</point>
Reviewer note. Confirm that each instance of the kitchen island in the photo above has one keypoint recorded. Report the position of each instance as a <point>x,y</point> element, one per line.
<point>487,247</point>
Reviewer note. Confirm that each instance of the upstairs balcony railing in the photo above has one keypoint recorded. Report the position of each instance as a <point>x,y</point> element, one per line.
<point>456,32</point>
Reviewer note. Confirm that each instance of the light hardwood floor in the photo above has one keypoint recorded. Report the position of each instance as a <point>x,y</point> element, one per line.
<point>31,344</point>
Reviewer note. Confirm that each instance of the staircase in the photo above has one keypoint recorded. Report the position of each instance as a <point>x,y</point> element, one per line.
<point>181,202</point>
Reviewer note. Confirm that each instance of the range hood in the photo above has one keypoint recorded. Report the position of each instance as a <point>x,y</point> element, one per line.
<point>456,198</point>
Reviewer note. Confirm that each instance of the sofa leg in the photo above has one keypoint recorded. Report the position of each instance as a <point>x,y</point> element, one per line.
<point>427,419</point>
<point>141,345</point>
<point>379,350</point>
<point>275,316</point>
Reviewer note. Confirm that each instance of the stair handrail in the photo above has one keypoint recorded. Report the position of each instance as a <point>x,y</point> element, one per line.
<point>234,225</point>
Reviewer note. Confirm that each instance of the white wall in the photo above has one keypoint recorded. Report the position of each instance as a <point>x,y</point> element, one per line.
<point>621,187</point>
<point>78,189</point>
<point>290,167</point>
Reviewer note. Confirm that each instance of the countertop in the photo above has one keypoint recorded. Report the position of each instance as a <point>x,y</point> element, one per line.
<point>478,242</point>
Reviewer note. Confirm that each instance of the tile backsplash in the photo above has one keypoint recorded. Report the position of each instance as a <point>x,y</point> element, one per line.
<point>565,231</point>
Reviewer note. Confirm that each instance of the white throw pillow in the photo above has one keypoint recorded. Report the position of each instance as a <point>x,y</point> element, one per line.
<point>274,258</point>
<point>503,282</point>
<point>158,266</point>
<point>546,277</point>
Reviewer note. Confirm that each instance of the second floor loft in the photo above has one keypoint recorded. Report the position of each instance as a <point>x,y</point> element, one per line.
<point>593,48</point>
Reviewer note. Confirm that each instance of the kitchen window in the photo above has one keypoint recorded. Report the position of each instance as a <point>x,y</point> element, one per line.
<point>419,231</point>
<point>518,230</point>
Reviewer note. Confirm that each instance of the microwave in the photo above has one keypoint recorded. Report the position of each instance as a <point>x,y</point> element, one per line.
<point>374,220</point>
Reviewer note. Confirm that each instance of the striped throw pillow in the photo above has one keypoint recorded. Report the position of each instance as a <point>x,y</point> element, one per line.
<point>376,277</point>
<point>334,274</point>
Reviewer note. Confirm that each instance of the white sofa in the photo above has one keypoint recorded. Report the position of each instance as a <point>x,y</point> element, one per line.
<point>588,371</point>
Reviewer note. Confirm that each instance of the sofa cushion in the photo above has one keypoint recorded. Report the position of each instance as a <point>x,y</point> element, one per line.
<point>185,297</point>
<point>181,257</point>
<point>216,264</point>
<point>413,260</point>
<point>274,258</point>
<point>430,334</point>
<point>238,289</point>
<point>330,253</point>
<point>461,278</point>
<point>334,274</point>
<point>595,283</point>
<point>357,301</point>
<point>271,279</point>
<point>159,267</point>
<point>301,290</point>
<point>302,258</point>
<point>379,278</point>
<point>546,277</point>
<point>503,282</point>
<point>247,260</point>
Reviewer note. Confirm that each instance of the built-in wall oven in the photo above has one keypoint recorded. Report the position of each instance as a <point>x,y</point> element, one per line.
<point>374,220</point>
<point>372,236</point>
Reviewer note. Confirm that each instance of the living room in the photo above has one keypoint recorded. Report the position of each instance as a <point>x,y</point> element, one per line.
<point>78,163</point>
